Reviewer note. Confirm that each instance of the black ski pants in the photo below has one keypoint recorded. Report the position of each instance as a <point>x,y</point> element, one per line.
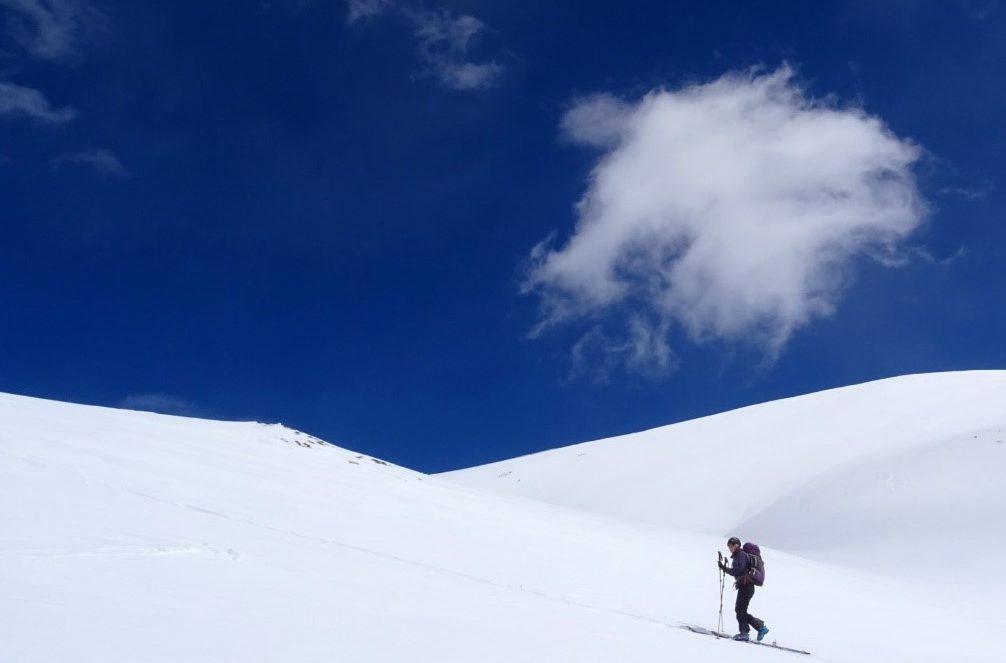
<point>746,620</point>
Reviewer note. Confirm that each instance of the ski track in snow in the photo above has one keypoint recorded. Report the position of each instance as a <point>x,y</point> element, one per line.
<point>128,551</point>
<point>521,589</point>
<point>118,551</point>
<point>390,557</point>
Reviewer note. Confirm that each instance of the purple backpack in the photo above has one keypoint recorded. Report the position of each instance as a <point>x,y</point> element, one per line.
<point>756,565</point>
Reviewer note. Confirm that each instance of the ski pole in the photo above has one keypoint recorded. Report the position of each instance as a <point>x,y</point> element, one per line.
<point>719,624</point>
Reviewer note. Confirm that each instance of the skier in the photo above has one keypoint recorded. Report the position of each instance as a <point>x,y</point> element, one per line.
<point>740,569</point>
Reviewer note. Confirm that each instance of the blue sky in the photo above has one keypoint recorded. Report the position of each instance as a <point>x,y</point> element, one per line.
<point>449,233</point>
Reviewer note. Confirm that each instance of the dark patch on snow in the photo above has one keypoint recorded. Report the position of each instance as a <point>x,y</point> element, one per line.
<point>304,440</point>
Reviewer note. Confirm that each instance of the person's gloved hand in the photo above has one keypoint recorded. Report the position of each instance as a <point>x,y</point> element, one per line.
<point>722,566</point>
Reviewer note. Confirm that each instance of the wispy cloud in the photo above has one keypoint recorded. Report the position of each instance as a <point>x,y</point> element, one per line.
<point>19,101</point>
<point>445,42</point>
<point>162,404</point>
<point>642,348</point>
<point>971,193</point>
<point>100,162</point>
<point>51,29</point>
<point>597,121</point>
<point>979,9</point>
<point>732,210</point>
<point>363,9</point>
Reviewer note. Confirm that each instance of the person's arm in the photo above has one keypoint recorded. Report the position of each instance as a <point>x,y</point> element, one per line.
<point>737,569</point>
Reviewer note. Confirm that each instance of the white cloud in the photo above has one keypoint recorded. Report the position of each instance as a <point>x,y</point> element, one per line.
<point>18,101</point>
<point>971,193</point>
<point>363,9</point>
<point>51,29</point>
<point>445,42</point>
<point>467,75</point>
<point>443,30</point>
<point>101,162</point>
<point>733,210</point>
<point>643,348</point>
<point>598,120</point>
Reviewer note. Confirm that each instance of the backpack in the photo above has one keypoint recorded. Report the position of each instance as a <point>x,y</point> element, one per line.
<point>756,565</point>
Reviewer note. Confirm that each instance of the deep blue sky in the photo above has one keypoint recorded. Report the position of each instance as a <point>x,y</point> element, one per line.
<point>294,219</point>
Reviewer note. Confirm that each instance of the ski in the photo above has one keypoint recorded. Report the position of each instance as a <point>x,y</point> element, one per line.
<point>726,636</point>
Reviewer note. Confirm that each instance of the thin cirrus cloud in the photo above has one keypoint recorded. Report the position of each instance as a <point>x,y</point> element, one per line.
<point>979,9</point>
<point>162,403</point>
<point>445,42</point>
<point>51,29</point>
<point>732,210</point>
<point>361,9</point>
<point>26,102</point>
<point>99,162</point>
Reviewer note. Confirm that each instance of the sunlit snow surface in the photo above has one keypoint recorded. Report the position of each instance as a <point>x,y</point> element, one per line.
<point>128,536</point>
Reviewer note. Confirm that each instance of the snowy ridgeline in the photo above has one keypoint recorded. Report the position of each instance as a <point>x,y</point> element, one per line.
<point>875,473</point>
<point>128,536</point>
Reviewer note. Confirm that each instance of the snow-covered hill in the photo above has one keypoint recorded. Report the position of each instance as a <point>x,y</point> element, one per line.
<point>128,536</point>
<point>878,468</point>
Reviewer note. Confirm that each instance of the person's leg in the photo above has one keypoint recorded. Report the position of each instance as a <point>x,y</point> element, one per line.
<point>744,594</point>
<point>752,620</point>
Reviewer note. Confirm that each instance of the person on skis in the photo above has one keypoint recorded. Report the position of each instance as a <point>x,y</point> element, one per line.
<point>740,568</point>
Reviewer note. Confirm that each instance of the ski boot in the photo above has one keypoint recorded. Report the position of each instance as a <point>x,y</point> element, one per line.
<point>742,637</point>
<point>762,632</point>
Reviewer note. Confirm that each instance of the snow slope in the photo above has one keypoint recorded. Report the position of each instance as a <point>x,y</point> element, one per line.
<point>128,536</point>
<point>904,478</point>
<point>927,446</point>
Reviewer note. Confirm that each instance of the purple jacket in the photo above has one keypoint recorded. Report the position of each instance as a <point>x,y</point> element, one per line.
<point>740,565</point>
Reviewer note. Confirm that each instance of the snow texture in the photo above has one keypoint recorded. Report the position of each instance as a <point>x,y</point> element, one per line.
<point>131,536</point>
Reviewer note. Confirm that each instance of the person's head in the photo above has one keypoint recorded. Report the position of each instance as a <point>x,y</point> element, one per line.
<point>733,544</point>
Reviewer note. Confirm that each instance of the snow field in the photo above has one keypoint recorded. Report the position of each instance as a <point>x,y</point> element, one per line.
<point>142,537</point>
